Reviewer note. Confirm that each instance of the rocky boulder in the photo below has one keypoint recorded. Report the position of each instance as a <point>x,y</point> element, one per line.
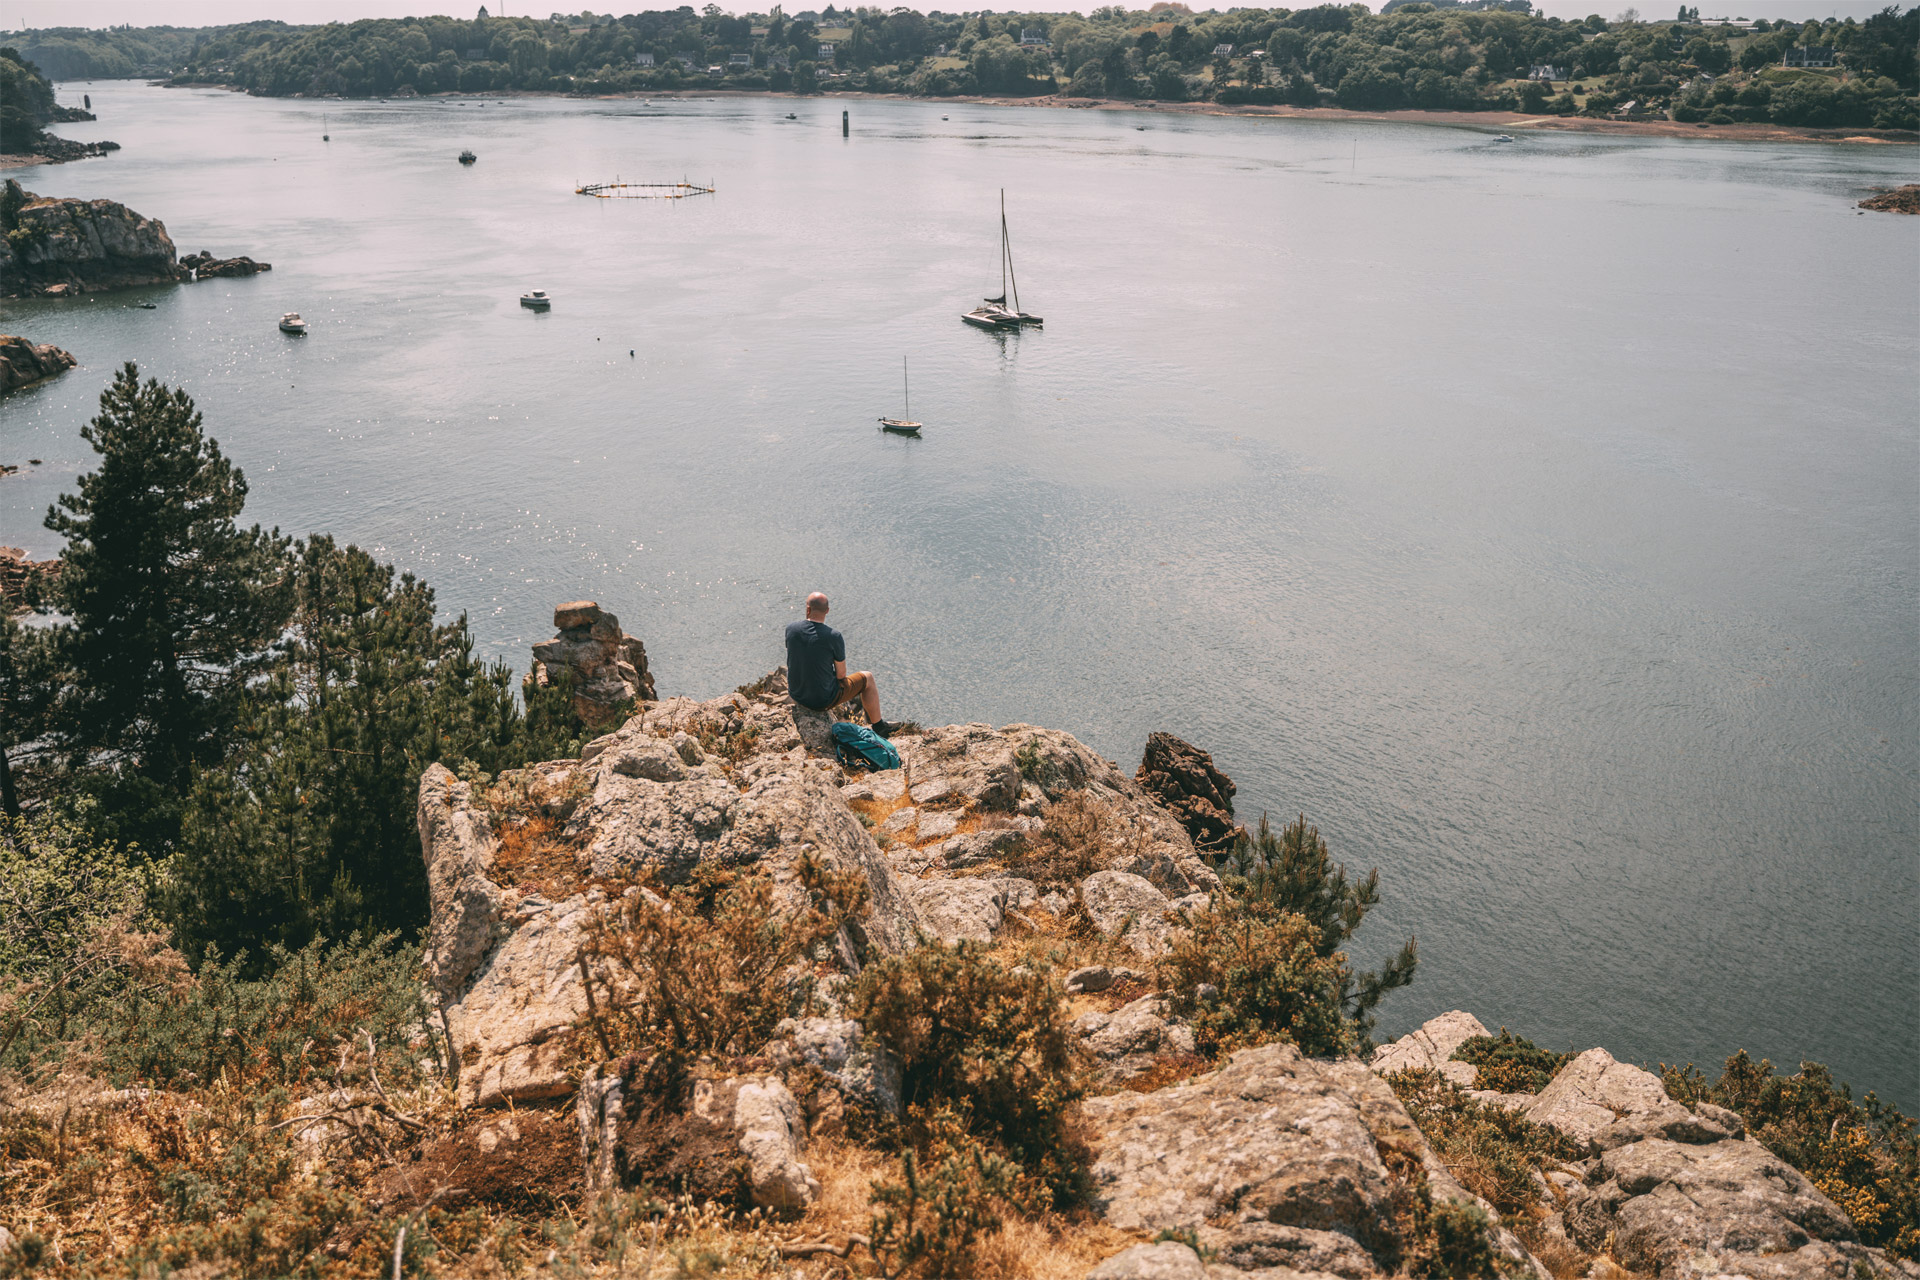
<point>1431,1048</point>
<point>1128,907</point>
<point>1182,777</point>
<point>79,246</point>
<point>1272,1139</point>
<point>1128,1041</point>
<point>1718,1208</point>
<point>1594,1092</point>
<point>204,266</point>
<point>607,668</point>
<point>23,363</point>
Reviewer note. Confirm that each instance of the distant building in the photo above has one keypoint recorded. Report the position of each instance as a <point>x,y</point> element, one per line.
<point>779,62</point>
<point>684,59</point>
<point>940,51</point>
<point>1035,39</point>
<point>1546,71</point>
<point>1803,56</point>
<point>826,52</point>
<point>1223,51</point>
<point>482,15</point>
<point>740,62</point>
<point>758,33</point>
<point>642,59</point>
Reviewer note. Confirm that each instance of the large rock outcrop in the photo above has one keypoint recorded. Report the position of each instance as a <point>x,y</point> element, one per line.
<point>56,246</point>
<point>606,667</point>
<point>1182,777</point>
<point>23,363</point>
<point>1667,1190</point>
<point>1274,1159</point>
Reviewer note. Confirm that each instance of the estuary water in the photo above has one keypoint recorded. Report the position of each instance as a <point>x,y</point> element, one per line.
<point>1537,517</point>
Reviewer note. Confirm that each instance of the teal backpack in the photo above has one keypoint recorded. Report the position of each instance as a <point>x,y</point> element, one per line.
<point>859,747</point>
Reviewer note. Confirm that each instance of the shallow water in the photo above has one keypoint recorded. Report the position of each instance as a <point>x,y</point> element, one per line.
<point>1537,517</point>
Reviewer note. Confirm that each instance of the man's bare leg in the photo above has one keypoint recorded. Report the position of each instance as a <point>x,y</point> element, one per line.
<point>870,698</point>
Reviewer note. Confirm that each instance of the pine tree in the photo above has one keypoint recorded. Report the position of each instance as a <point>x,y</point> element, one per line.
<point>170,603</point>
<point>311,831</point>
<point>27,687</point>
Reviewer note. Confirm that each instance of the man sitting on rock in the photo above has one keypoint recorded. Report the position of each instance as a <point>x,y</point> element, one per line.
<point>817,668</point>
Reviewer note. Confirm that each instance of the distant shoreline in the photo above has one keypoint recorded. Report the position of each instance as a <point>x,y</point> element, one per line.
<point>1500,120</point>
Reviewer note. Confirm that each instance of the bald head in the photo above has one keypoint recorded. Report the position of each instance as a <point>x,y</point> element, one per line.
<point>817,605</point>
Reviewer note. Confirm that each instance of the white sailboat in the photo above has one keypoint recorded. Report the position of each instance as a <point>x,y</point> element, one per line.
<point>994,313</point>
<point>904,425</point>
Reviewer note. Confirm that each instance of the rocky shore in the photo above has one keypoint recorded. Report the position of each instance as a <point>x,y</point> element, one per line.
<point>57,247</point>
<point>23,363</point>
<point>1267,1163</point>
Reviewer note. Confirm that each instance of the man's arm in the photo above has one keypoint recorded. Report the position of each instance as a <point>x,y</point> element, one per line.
<point>840,669</point>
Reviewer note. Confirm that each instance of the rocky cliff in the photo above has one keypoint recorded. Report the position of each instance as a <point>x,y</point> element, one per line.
<point>23,363</point>
<point>1267,1163</point>
<point>55,247</point>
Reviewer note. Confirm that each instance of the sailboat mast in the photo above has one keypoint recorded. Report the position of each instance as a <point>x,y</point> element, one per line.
<point>1003,244</point>
<point>906,391</point>
<point>1006,252</point>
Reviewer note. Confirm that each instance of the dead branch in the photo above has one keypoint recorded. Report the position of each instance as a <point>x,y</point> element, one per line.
<point>815,1248</point>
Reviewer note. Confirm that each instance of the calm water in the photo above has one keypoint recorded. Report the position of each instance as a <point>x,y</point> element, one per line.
<point>1539,518</point>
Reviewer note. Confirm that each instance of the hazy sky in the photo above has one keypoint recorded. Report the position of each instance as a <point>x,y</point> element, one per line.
<point>16,14</point>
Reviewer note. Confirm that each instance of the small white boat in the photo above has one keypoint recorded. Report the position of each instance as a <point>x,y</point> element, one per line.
<point>292,323</point>
<point>903,426</point>
<point>537,299</point>
<point>1505,137</point>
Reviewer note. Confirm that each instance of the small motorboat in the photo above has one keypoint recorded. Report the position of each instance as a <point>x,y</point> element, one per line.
<point>293,324</point>
<point>537,299</point>
<point>902,426</point>
<point>467,157</point>
<point>791,116</point>
<point>1505,137</point>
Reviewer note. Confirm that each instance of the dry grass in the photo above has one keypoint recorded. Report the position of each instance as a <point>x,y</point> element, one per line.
<point>1049,1247</point>
<point>534,855</point>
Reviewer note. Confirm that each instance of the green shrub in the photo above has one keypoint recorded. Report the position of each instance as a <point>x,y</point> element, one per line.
<point>1269,983</point>
<point>1507,1063</point>
<point>711,967</point>
<point>1277,891</point>
<point>929,1222</point>
<point>991,1041</point>
<point>57,888</point>
<point>276,1030</point>
<point>1494,1152</point>
<point>1863,1155</point>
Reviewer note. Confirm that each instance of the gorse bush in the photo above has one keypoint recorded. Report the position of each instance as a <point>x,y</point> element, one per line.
<point>990,1040</point>
<point>713,965</point>
<point>1269,950</point>
<point>1863,1155</point>
<point>949,1195</point>
<point>1493,1151</point>
<point>1507,1063</point>
<point>1268,982</point>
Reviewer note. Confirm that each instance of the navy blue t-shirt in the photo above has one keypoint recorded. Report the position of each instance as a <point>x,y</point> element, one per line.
<point>812,649</point>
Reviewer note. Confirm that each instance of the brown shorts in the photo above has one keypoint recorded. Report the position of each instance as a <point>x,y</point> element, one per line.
<point>850,688</point>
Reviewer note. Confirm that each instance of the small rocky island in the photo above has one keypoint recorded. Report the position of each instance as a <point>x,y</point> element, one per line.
<point>23,363</point>
<point>59,247</point>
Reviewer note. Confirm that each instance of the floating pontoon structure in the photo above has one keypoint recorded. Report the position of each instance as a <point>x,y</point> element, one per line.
<point>617,190</point>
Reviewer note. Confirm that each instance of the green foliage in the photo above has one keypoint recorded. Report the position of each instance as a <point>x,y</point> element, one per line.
<point>28,683</point>
<point>310,829</point>
<point>929,1222</point>
<point>1268,982</point>
<point>713,965</point>
<point>1270,876</point>
<point>1493,1151</point>
<point>280,1029</point>
<point>1864,1155</point>
<point>1508,1063</point>
<point>992,1041</point>
<point>26,103</point>
<point>170,605</point>
<point>57,890</point>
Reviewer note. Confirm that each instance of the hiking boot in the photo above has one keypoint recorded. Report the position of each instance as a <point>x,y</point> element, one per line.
<point>884,728</point>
